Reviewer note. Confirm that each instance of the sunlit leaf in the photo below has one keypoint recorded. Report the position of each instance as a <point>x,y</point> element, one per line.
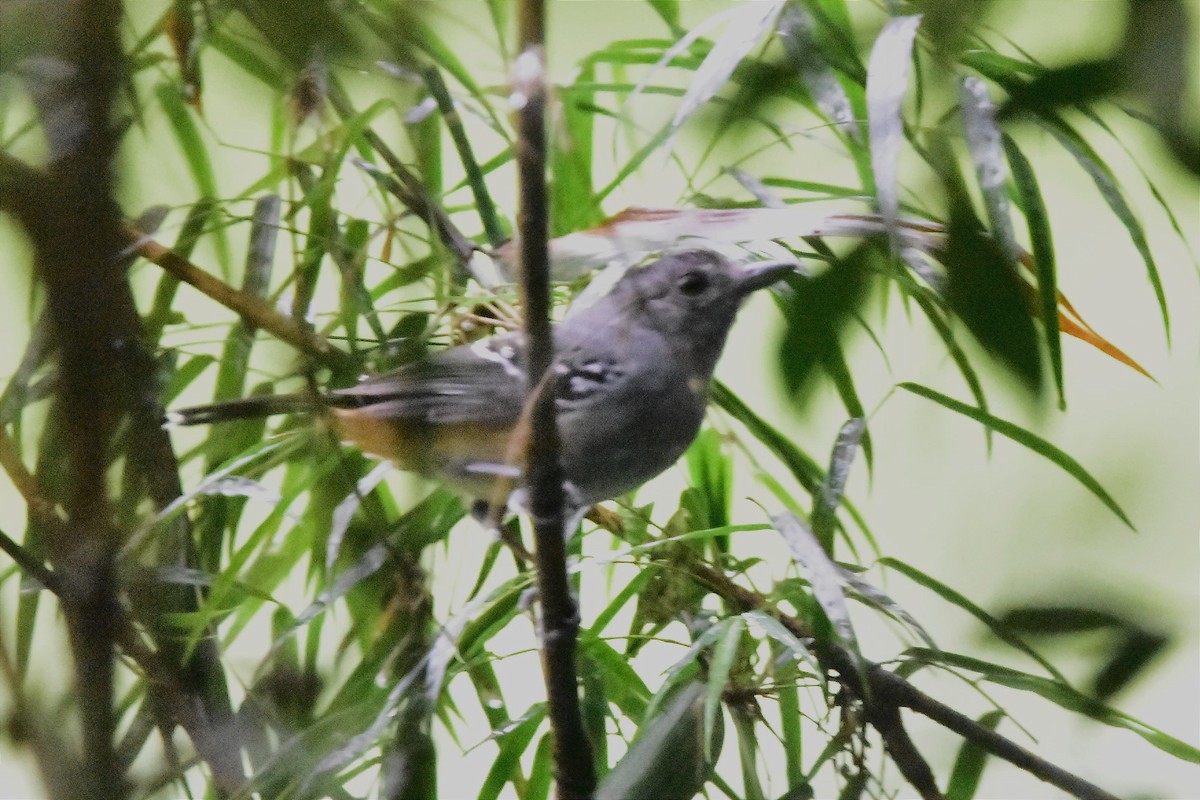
<point>822,573</point>
<point>840,459</point>
<point>983,140</point>
<point>795,30</point>
<point>887,83</point>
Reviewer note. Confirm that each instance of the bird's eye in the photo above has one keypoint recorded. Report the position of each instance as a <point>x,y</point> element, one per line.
<point>693,283</point>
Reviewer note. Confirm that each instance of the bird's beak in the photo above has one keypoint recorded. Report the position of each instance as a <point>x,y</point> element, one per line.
<point>761,274</point>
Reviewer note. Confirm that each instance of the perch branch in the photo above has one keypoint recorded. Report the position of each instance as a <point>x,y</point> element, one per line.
<point>253,310</point>
<point>883,692</point>
<point>573,767</point>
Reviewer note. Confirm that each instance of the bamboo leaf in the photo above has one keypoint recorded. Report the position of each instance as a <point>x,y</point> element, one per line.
<point>956,598</point>
<point>1106,183</point>
<point>983,141</point>
<point>667,760</point>
<point>825,507</point>
<point>986,293</point>
<point>1063,695</point>
<point>970,762</point>
<point>513,741</point>
<point>720,668</point>
<point>1027,439</point>
<point>1037,220</point>
<point>796,32</point>
<point>888,72</point>
<point>822,573</point>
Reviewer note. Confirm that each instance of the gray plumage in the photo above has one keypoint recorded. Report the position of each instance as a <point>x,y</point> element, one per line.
<point>631,375</point>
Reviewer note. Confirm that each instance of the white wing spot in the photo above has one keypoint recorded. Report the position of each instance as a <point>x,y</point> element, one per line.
<point>503,357</point>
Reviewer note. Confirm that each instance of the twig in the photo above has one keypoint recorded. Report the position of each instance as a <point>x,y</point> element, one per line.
<point>408,188</point>
<point>74,227</point>
<point>887,687</point>
<point>253,310</point>
<point>573,767</point>
<point>31,565</point>
<point>19,183</point>
<point>885,718</point>
<point>483,200</point>
<point>26,484</point>
<point>882,690</point>
<point>900,692</point>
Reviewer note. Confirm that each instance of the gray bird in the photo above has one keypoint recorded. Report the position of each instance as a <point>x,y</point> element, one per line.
<point>631,374</point>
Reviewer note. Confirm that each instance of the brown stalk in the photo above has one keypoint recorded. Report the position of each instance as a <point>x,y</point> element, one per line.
<point>574,769</point>
<point>882,693</point>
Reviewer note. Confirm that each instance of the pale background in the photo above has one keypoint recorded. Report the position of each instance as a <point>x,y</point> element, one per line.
<point>1006,530</point>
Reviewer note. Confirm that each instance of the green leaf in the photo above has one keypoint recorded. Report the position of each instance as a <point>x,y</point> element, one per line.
<point>190,142</point>
<point>541,774</point>
<point>1135,647</point>
<point>983,141</point>
<point>623,686</point>
<point>950,595</point>
<point>787,694</point>
<point>823,574</point>
<point>933,306</point>
<point>1027,439</point>
<point>195,152</point>
<point>887,81</point>
<point>1106,182</point>
<point>629,591</point>
<point>969,764</point>
<point>571,154</point>
<point>748,751</point>
<point>816,309</point>
<point>985,292</point>
<point>795,30</point>
<point>1073,84</point>
<point>711,472</point>
<point>184,374</point>
<point>803,467</point>
<point>513,743</point>
<point>1037,220</point>
<point>667,760</point>
<point>486,209</point>
<point>1062,695</point>
<point>724,658</point>
<point>825,507</point>
<point>235,48</point>
<point>669,11</point>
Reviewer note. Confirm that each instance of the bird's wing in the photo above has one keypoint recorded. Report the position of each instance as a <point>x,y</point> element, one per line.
<point>481,383</point>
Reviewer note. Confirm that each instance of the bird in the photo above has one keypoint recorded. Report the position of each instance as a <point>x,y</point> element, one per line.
<point>630,373</point>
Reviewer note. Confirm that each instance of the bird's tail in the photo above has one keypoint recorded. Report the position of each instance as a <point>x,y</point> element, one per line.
<point>246,408</point>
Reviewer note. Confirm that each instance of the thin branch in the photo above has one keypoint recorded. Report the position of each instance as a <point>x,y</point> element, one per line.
<point>483,200</point>
<point>573,766</point>
<point>883,688</point>
<point>900,692</point>
<point>886,719</point>
<point>20,184</point>
<point>26,484</point>
<point>30,564</point>
<point>408,188</point>
<point>253,310</point>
